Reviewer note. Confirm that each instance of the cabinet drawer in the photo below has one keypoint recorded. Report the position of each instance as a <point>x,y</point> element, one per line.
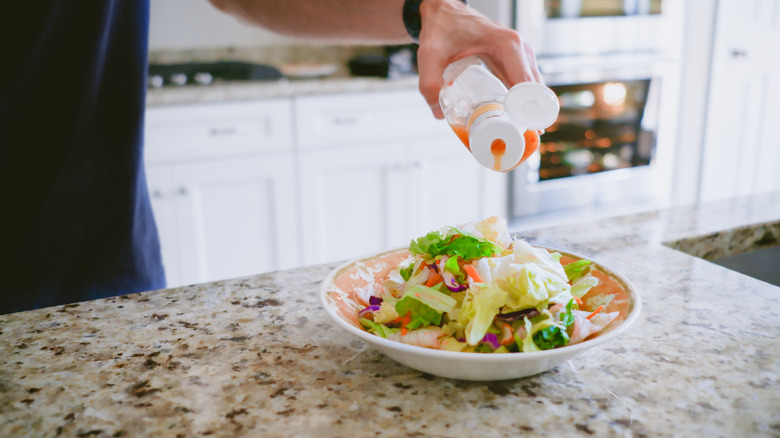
<point>364,118</point>
<point>210,130</point>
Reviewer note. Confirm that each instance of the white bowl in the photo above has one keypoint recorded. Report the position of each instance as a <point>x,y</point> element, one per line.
<point>338,289</point>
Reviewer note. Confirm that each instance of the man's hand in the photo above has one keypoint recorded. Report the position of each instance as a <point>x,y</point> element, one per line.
<point>452,30</point>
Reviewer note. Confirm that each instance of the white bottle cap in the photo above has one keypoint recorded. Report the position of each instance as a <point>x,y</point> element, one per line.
<point>497,143</point>
<point>532,105</point>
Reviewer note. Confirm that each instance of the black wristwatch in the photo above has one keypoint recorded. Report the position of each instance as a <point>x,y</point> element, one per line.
<point>412,19</point>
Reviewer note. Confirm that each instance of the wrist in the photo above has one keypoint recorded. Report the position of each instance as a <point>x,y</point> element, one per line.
<point>415,10</point>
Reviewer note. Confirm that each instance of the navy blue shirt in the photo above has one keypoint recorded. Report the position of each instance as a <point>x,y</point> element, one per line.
<point>78,221</point>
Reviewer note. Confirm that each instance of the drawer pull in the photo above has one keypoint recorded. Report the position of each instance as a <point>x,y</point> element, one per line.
<point>345,121</point>
<point>218,132</point>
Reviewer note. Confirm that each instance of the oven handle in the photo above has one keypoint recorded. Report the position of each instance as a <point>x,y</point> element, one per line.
<point>588,69</point>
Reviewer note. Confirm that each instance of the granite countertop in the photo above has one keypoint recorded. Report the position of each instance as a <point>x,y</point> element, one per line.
<point>256,356</point>
<point>233,91</point>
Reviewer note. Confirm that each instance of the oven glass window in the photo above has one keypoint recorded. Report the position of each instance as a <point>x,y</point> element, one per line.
<point>600,8</point>
<point>601,127</point>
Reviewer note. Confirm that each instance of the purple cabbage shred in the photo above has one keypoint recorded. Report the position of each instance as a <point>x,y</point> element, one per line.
<point>492,340</point>
<point>519,314</point>
<point>369,309</point>
<point>375,301</point>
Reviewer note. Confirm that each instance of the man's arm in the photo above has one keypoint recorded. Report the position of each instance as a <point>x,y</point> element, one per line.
<point>450,31</point>
<point>355,21</point>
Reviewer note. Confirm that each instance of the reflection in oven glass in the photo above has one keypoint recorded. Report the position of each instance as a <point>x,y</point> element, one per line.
<point>602,126</point>
<point>600,8</point>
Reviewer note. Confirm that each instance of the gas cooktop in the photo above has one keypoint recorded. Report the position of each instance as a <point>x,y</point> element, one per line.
<point>205,73</point>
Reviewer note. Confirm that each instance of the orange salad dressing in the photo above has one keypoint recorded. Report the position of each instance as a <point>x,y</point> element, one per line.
<point>463,134</point>
<point>497,148</point>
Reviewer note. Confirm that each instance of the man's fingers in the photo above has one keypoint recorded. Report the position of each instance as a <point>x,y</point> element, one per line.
<point>431,81</point>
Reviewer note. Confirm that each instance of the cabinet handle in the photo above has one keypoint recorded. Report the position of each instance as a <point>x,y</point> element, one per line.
<point>344,121</point>
<point>183,191</point>
<point>156,194</point>
<point>228,130</point>
<point>738,53</point>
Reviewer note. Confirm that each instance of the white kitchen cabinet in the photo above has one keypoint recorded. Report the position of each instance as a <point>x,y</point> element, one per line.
<point>741,152</point>
<point>352,201</point>
<point>223,188</point>
<point>384,183</point>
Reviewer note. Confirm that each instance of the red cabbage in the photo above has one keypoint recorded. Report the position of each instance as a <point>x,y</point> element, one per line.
<point>519,314</point>
<point>369,309</point>
<point>374,301</point>
<point>492,340</point>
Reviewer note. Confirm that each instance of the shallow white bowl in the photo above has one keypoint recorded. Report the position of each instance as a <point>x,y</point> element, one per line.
<point>339,287</point>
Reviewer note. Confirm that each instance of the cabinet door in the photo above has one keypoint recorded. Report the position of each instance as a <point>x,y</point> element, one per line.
<point>742,140</point>
<point>451,186</point>
<point>353,201</point>
<point>236,217</point>
<point>159,180</point>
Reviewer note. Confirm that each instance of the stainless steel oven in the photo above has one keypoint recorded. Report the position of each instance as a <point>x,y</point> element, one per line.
<point>613,141</point>
<point>615,66</point>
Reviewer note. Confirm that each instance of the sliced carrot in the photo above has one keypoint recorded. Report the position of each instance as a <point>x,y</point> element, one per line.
<point>472,273</point>
<point>578,301</point>
<point>595,312</point>
<point>405,320</point>
<point>507,335</point>
<point>433,281</point>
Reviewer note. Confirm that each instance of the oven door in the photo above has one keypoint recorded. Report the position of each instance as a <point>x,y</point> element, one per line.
<point>613,142</point>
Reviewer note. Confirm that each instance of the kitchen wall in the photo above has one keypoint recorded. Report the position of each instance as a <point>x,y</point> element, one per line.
<point>196,24</point>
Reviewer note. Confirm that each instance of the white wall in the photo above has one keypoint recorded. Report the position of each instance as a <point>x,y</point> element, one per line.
<point>195,24</point>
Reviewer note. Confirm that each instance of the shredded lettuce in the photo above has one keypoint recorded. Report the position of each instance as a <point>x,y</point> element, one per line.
<point>406,272</point>
<point>530,285</point>
<point>576,270</point>
<point>434,299</point>
<point>550,337</point>
<point>376,328</point>
<point>451,266</point>
<point>386,312</point>
<point>479,308</point>
<point>583,285</point>
<point>567,317</point>
<point>451,241</point>
<point>421,314</point>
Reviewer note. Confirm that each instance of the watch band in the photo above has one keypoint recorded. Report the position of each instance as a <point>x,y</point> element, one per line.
<point>412,20</point>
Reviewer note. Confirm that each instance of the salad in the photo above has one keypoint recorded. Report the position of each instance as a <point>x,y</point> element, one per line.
<point>474,288</point>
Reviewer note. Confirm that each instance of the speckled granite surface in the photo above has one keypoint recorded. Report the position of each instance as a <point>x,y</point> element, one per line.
<point>240,91</point>
<point>256,357</point>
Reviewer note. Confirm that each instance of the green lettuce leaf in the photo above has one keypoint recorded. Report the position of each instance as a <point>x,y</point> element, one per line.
<point>550,337</point>
<point>451,266</point>
<point>407,272</point>
<point>567,317</point>
<point>583,285</point>
<point>422,315</point>
<point>451,241</point>
<point>432,298</point>
<point>576,270</point>
<point>376,328</point>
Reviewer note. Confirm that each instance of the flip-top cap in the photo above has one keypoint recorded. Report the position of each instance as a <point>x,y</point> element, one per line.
<point>532,105</point>
<point>497,143</point>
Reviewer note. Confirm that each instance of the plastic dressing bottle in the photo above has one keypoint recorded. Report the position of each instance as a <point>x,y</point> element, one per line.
<point>491,121</point>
